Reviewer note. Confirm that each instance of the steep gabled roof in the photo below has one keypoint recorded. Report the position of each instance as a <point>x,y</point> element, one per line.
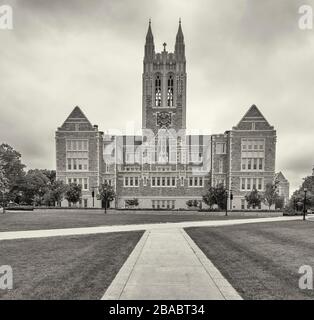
<point>77,117</point>
<point>280,176</point>
<point>253,115</point>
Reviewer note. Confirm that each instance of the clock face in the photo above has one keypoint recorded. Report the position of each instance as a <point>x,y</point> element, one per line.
<point>163,119</point>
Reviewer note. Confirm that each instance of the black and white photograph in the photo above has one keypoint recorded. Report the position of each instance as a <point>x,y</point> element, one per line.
<point>156,151</point>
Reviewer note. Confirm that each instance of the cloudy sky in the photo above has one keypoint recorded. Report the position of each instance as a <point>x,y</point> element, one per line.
<point>89,53</point>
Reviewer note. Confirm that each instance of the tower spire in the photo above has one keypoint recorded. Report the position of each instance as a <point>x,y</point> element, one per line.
<point>149,44</point>
<point>180,46</point>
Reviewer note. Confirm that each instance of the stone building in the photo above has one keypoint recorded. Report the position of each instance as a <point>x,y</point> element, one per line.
<point>283,186</point>
<point>164,167</point>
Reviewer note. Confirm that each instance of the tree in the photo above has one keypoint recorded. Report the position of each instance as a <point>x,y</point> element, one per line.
<point>279,202</point>
<point>73,193</point>
<point>210,198</point>
<point>58,190</point>
<point>216,195</point>
<point>106,194</point>
<point>34,186</point>
<point>270,194</point>
<point>3,185</point>
<point>12,169</point>
<point>253,199</point>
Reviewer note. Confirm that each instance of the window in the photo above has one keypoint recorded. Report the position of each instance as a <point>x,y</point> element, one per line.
<point>244,164</point>
<point>243,183</point>
<point>260,165</point>
<point>249,164</point>
<point>196,182</point>
<point>220,166</point>
<point>254,183</point>
<point>163,181</point>
<point>249,184</point>
<point>170,92</point>
<point>131,181</point>
<point>83,182</point>
<point>158,91</point>
<point>69,164</point>
<point>220,147</point>
<point>77,145</point>
<point>255,164</point>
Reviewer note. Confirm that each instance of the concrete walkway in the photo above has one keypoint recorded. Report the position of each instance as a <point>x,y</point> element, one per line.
<point>11,235</point>
<point>167,264</point>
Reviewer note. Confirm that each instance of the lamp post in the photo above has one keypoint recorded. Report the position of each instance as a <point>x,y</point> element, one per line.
<point>304,204</point>
<point>226,203</point>
<point>231,198</point>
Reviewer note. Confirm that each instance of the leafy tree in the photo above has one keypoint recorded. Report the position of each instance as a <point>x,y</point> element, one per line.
<point>50,174</point>
<point>12,169</point>
<point>279,202</point>
<point>106,194</point>
<point>34,186</point>
<point>73,193</point>
<point>210,198</point>
<point>3,185</point>
<point>270,194</point>
<point>58,190</point>
<point>254,199</point>
<point>216,195</point>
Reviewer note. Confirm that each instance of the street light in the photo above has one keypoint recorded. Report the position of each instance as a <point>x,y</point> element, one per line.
<point>304,205</point>
<point>231,198</point>
<point>93,195</point>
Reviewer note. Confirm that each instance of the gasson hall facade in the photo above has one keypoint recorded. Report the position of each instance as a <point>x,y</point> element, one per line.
<point>164,167</point>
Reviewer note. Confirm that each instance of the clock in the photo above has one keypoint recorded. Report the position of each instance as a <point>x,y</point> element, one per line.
<point>164,119</point>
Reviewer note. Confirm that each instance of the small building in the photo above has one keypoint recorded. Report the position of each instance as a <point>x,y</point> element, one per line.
<point>283,186</point>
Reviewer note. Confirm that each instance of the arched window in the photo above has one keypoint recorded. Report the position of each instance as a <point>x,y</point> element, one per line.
<point>158,91</point>
<point>170,92</point>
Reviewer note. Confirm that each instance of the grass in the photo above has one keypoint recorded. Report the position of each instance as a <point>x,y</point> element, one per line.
<point>74,267</point>
<point>260,260</point>
<point>56,219</point>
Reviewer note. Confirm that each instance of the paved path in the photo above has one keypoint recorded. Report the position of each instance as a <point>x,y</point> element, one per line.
<point>167,264</point>
<point>10,235</point>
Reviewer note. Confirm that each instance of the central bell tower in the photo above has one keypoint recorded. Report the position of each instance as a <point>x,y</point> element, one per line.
<point>164,85</point>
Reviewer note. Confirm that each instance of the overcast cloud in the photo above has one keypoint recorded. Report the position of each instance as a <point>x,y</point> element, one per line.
<point>89,53</point>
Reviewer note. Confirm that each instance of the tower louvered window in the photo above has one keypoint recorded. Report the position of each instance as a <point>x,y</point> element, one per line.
<point>170,92</point>
<point>158,91</point>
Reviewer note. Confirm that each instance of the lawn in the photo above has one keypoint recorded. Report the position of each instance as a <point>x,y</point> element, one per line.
<point>55,219</point>
<point>260,260</point>
<point>74,267</point>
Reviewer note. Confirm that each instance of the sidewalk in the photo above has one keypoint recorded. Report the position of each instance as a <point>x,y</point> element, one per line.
<point>165,265</point>
<point>11,235</point>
